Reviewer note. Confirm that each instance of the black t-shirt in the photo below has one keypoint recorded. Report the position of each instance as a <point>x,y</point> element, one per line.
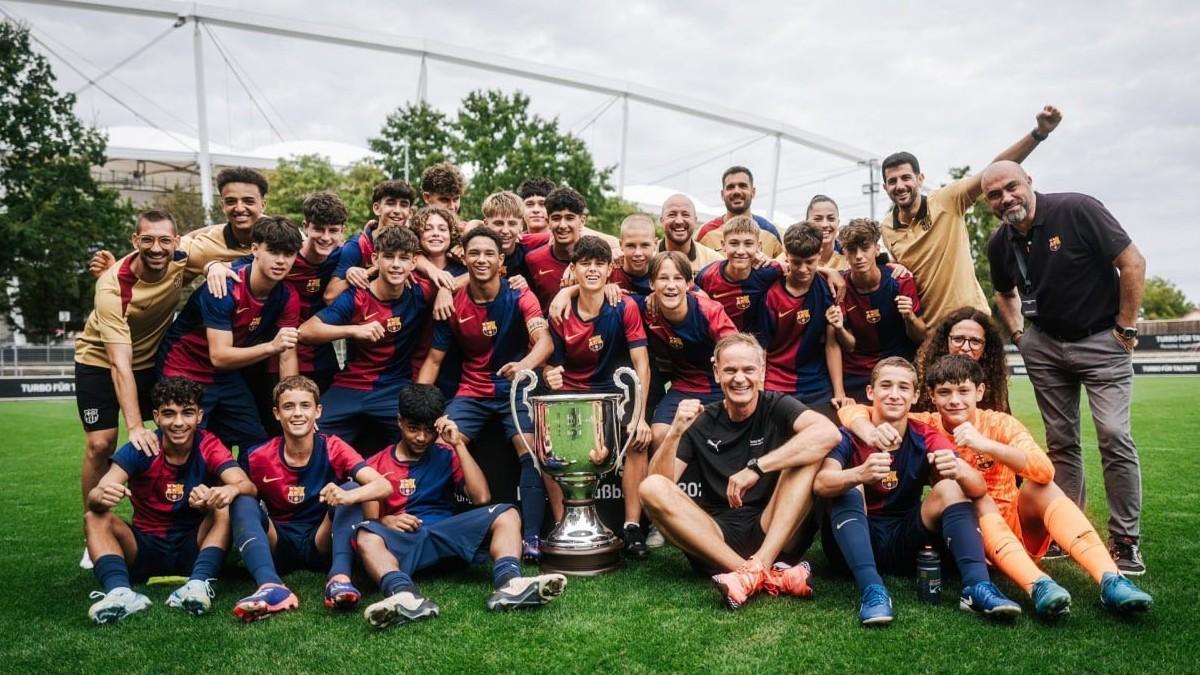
<point>720,447</point>
<point>1070,251</point>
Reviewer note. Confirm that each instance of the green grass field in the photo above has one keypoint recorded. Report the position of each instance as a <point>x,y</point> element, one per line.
<point>655,616</point>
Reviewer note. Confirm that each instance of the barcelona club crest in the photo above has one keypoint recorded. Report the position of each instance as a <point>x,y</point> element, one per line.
<point>984,462</point>
<point>743,302</point>
<point>803,316</point>
<point>393,324</point>
<point>890,481</point>
<point>675,342</point>
<point>174,492</point>
<point>873,316</point>
<point>295,494</point>
<point>489,328</point>
<point>596,343</point>
<point>1055,243</point>
<point>406,486</point>
<point>312,286</point>
<point>254,323</point>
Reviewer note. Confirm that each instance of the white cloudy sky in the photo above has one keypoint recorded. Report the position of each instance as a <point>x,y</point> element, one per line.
<point>953,84</point>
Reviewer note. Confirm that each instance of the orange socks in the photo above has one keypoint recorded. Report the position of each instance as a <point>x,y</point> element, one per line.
<point>1074,533</point>
<point>1007,552</point>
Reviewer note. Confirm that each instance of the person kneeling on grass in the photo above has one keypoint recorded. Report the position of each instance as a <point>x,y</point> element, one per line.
<point>180,522</point>
<point>895,523</point>
<point>1018,523</point>
<point>415,528</point>
<point>757,453</point>
<point>305,482</point>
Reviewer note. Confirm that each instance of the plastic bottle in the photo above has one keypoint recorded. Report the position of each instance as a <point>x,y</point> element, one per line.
<point>929,576</point>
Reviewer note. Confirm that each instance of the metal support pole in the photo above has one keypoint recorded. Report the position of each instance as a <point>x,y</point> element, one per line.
<point>872,187</point>
<point>775,174</point>
<point>206,188</point>
<point>423,82</point>
<point>624,145</point>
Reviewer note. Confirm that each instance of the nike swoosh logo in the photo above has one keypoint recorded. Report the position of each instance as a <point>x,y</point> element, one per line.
<point>272,480</point>
<point>368,317</point>
<point>466,319</point>
<point>717,296</point>
<point>783,314</point>
<point>245,544</point>
<point>573,337</point>
<point>839,525</point>
<point>493,508</point>
<point>541,272</point>
<point>242,309</point>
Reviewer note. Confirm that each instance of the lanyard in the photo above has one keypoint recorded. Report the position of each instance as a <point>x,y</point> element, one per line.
<point>1022,256</point>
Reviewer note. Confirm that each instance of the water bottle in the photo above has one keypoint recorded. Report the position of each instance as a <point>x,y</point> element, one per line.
<point>929,576</point>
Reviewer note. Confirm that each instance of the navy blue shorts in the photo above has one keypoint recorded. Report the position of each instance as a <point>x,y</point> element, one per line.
<point>172,554</point>
<point>346,412</point>
<point>231,413</point>
<point>461,537</point>
<point>897,540</point>
<point>664,412</point>
<point>96,396</point>
<point>296,548</point>
<point>471,414</point>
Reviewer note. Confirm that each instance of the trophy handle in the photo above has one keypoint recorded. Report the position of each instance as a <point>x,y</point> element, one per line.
<point>638,403</point>
<point>512,401</point>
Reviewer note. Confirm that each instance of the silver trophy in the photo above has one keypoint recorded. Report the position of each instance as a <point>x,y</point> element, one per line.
<point>578,439</point>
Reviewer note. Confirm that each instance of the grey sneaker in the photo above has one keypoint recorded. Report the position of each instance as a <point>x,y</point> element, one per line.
<point>1128,556</point>
<point>403,607</point>
<point>527,592</point>
<point>194,597</point>
<point>116,605</point>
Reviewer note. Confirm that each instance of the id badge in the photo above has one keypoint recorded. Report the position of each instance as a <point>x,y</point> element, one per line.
<point>1029,308</point>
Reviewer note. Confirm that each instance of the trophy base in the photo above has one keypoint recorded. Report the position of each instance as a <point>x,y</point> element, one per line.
<point>582,562</point>
<point>581,545</point>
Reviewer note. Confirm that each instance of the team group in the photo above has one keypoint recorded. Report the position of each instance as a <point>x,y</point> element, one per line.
<point>754,347</point>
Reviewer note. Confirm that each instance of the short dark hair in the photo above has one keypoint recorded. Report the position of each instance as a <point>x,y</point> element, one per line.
<point>591,247</point>
<point>893,362</point>
<point>324,208</point>
<point>565,199</point>
<point>178,390</point>
<point>802,240</point>
<point>295,383</point>
<point>442,178</point>
<point>397,240</point>
<point>859,233</point>
<point>396,189</point>
<point>421,404</point>
<point>736,169</point>
<point>899,159</point>
<point>154,216</point>
<point>817,199</point>
<point>242,174</point>
<point>954,369</point>
<point>279,234</point>
<point>482,231</point>
<point>535,187</point>
<point>677,258</point>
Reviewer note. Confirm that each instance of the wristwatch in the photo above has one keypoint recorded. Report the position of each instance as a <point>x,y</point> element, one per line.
<point>1038,136</point>
<point>753,466</point>
<point>1127,333</point>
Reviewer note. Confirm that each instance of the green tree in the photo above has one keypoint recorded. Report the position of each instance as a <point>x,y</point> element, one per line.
<point>414,136</point>
<point>297,177</point>
<point>186,206</point>
<point>1164,300</point>
<point>52,212</point>
<point>981,223</point>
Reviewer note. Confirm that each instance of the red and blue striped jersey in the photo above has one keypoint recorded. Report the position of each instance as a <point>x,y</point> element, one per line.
<point>514,263</point>
<point>591,351</point>
<point>357,251</point>
<point>423,487</point>
<point>901,490</point>
<point>545,272</point>
<point>630,283</point>
<point>875,322</point>
<point>794,329</point>
<point>292,493</point>
<point>487,335</point>
<point>371,365</point>
<point>742,300</point>
<point>252,321</point>
<point>689,345</point>
<point>159,489</point>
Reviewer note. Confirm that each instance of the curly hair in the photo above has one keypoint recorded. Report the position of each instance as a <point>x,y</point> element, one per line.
<point>396,189</point>
<point>397,239</point>
<point>324,208</point>
<point>419,219</point>
<point>177,390</point>
<point>859,234</point>
<point>591,247</point>
<point>242,174</point>
<point>443,178</point>
<point>535,187</point>
<point>565,199</point>
<point>995,369</point>
<point>421,404</point>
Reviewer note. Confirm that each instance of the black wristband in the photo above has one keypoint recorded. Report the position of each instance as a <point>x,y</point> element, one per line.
<point>1037,136</point>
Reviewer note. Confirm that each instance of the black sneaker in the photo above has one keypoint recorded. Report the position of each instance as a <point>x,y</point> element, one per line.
<point>635,542</point>
<point>1127,555</point>
<point>1055,552</point>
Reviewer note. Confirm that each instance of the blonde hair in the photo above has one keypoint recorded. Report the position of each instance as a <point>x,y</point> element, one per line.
<point>503,204</point>
<point>742,224</point>
<point>739,339</point>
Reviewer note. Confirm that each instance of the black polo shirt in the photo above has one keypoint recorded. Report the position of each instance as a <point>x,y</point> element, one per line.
<point>721,447</point>
<point>1070,250</point>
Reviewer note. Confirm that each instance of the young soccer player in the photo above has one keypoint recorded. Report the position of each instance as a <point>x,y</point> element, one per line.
<point>533,192</point>
<point>440,234</point>
<point>567,213</point>
<point>804,358</point>
<point>415,528</point>
<point>304,483</point>
<point>735,282</point>
<point>638,244</point>
<point>593,341</point>
<point>499,331</point>
<point>442,185</point>
<point>180,520</point>
<point>880,314</point>
<point>213,338</point>
<point>887,531</point>
<point>391,202</point>
<point>382,325</point>
<point>1018,522</point>
<point>503,211</point>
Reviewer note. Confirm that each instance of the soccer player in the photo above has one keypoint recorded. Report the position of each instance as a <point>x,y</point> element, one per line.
<point>415,528</point>
<point>567,213</point>
<point>532,192</point>
<point>213,338</point>
<point>678,218</point>
<point>638,244</point>
<point>382,325</point>
<point>503,212</point>
<point>391,202</point>
<point>440,235</point>
<point>804,358</point>
<point>1018,522</point>
<point>306,484</point>
<point>735,282</point>
<point>180,519</point>
<point>442,185</point>
<point>499,331</point>
<point>878,517</point>
<point>737,192</point>
<point>881,314</point>
<point>757,453</point>
<point>593,341</point>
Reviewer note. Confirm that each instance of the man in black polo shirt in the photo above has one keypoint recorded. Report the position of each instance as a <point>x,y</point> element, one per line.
<point>1065,263</point>
<point>757,454</point>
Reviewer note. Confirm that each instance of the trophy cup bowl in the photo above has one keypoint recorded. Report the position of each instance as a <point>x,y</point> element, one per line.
<point>578,439</point>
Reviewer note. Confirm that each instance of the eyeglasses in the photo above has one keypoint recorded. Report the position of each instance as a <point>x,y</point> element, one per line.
<point>972,343</point>
<point>148,241</point>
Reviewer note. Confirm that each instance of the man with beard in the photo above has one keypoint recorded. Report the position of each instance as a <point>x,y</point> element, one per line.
<point>928,234</point>
<point>678,218</point>
<point>737,191</point>
<point>1063,262</point>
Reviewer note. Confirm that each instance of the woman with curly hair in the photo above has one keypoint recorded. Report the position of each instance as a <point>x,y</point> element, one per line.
<point>972,333</point>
